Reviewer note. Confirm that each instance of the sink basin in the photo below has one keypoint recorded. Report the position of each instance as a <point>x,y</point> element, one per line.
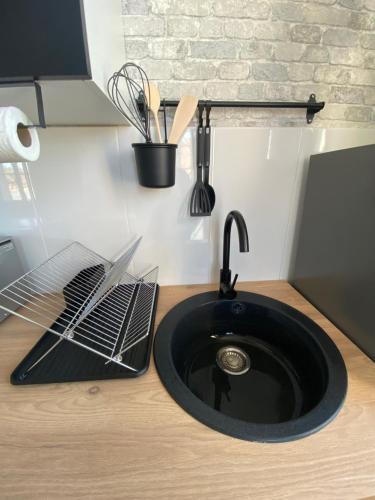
<point>252,367</point>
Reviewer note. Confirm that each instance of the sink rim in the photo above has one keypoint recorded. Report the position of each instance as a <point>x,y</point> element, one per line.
<point>318,417</point>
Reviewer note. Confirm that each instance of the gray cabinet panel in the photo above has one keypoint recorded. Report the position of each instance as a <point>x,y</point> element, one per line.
<point>335,258</point>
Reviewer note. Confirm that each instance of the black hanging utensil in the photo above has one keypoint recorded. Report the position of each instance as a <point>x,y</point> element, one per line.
<point>207,155</point>
<point>200,201</point>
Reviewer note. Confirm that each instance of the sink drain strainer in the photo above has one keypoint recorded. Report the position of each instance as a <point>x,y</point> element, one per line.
<point>233,360</point>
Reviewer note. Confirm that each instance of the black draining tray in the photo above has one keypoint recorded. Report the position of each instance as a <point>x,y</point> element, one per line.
<point>69,362</point>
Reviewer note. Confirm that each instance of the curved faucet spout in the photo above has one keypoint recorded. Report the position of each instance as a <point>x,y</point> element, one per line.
<point>226,287</point>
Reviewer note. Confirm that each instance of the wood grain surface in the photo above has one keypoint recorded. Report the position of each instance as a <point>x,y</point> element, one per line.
<point>128,439</point>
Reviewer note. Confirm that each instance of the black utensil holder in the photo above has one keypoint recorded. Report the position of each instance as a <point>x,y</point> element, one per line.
<point>156,164</point>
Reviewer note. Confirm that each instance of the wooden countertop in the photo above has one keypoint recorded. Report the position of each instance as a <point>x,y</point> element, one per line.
<point>128,439</point>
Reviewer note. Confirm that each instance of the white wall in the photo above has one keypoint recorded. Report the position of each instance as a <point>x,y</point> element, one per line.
<point>84,187</point>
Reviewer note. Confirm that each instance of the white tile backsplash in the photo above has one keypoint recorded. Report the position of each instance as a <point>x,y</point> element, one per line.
<point>254,172</point>
<point>178,243</point>
<point>77,190</point>
<point>18,214</point>
<point>84,187</point>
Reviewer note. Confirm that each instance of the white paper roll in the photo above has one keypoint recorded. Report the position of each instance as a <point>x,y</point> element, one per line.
<point>17,143</point>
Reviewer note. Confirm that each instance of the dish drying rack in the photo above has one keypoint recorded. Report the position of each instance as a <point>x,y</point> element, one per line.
<point>98,318</point>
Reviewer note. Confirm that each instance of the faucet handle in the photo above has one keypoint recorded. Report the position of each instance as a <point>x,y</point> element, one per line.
<point>234,283</point>
<point>227,290</point>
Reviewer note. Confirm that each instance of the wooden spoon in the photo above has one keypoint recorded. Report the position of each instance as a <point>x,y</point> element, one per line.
<point>184,113</point>
<point>153,100</point>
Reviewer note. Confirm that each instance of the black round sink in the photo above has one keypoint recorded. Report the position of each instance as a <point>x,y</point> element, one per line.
<point>253,367</point>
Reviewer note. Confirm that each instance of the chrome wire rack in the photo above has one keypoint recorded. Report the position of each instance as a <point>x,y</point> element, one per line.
<point>84,299</point>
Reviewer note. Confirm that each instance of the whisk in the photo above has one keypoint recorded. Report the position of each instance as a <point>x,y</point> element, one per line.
<point>126,88</point>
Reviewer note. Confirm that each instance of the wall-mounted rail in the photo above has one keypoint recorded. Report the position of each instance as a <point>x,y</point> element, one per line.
<point>312,106</point>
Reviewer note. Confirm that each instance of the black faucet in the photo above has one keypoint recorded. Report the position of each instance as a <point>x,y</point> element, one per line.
<point>227,290</point>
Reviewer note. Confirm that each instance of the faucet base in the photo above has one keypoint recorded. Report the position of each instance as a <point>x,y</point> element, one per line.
<point>230,294</point>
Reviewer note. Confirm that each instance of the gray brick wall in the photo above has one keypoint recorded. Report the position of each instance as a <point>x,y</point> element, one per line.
<point>260,50</point>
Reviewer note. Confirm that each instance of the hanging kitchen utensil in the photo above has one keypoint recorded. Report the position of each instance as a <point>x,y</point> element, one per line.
<point>183,115</point>
<point>153,101</point>
<point>200,201</point>
<point>207,156</point>
<point>127,88</point>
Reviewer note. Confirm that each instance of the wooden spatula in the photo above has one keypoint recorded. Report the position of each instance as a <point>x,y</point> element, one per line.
<point>153,100</point>
<point>184,113</point>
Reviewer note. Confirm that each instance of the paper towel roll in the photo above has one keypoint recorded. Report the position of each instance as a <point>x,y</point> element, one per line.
<point>17,143</point>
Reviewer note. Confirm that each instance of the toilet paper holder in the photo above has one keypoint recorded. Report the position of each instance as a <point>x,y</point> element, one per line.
<point>39,99</point>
